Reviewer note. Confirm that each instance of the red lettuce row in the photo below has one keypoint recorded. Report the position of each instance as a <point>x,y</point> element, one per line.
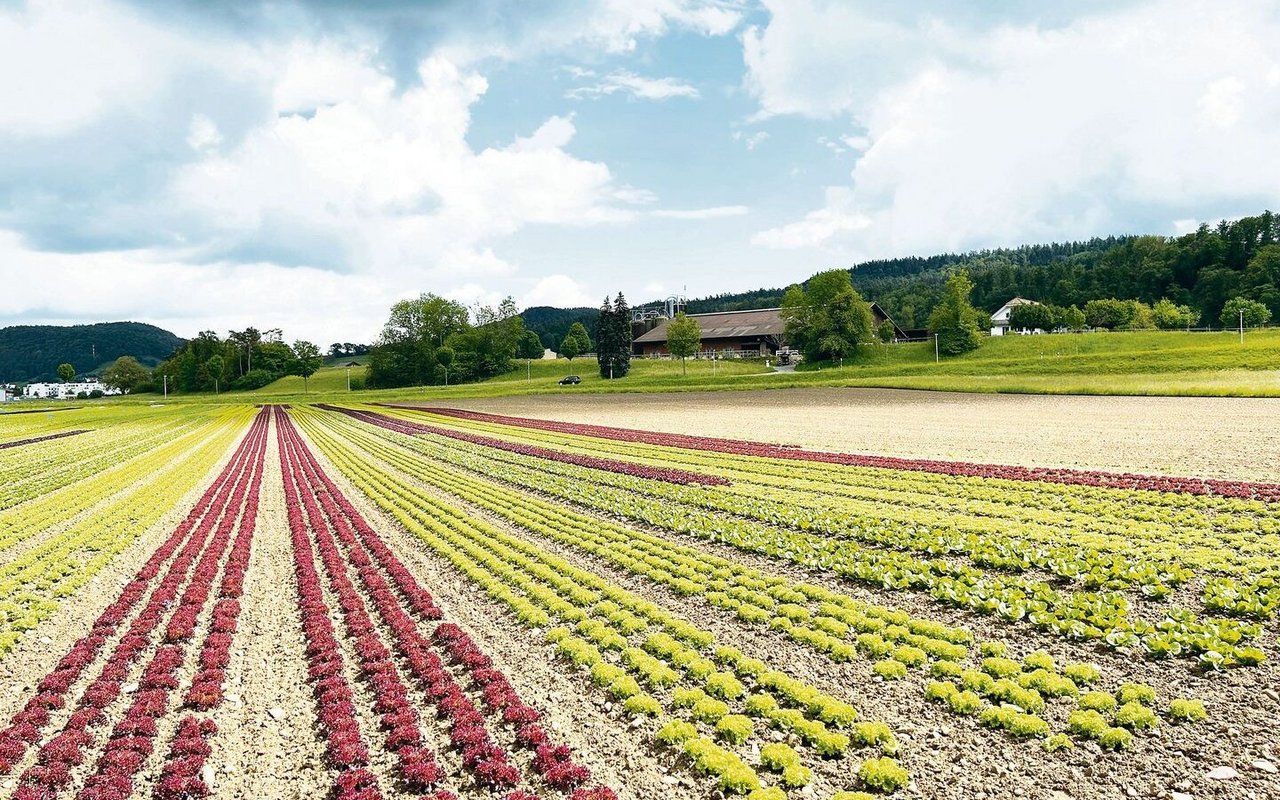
<point>345,748</point>
<point>399,720</point>
<point>468,733</point>
<point>37,439</point>
<point>130,745</point>
<point>52,769</point>
<point>1269,492</point>
<point>678,476</point>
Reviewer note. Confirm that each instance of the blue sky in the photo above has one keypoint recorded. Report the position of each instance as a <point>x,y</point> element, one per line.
<point>206,165</point>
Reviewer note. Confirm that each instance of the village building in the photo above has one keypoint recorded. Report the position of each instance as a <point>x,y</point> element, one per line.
<point>68,391</point>
<point>754,333</point>
<point>1000,319</point>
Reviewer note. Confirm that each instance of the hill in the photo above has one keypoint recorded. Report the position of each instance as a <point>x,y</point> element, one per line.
<point>551,324</point>
<point>33,352</point>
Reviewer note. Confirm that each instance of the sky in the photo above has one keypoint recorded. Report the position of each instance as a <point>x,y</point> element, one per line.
<point>210,165</point>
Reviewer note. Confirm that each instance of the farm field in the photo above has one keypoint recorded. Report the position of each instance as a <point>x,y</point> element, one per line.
<point>502,599</point>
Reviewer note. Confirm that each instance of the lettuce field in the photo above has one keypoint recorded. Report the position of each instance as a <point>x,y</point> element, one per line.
<point>366,601</point>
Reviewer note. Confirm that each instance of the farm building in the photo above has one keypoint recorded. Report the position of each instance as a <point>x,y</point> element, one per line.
<point>1000,319</point>
<point>756,332</point>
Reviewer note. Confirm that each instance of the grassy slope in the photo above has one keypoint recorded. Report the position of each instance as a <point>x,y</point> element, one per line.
<point>1153,363</point>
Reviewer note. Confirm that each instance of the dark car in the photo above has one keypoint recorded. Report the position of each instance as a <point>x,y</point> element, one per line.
<point>570,380</point>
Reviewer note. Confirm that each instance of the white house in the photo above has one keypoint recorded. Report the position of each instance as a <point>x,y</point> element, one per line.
<point>67,391</point>
<point>1000,319</point>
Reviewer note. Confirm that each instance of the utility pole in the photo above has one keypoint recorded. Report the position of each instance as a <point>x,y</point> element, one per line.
<point>1242,326</point>
<point>166,387</point>
<point>936,358</point>
<point>348,379</point>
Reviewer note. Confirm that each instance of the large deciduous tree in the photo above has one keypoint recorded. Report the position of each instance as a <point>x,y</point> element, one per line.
<point>66,373</point>
<point>955,320</point>
<point>306,360</point>
<point>827,318</point>
<point>405,353</point>
<point>125,374</point>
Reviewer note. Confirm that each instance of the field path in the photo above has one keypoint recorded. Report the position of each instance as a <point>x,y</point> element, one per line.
<point>1216,437</point>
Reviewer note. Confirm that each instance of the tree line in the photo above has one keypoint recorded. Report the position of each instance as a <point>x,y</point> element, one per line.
<point>247,359</point>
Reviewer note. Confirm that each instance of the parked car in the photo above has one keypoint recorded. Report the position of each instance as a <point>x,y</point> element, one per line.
<point>570,380</point>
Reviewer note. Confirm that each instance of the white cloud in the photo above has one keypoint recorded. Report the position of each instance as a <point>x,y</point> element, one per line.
<point>817,227</point>
<point>636,86</point>
<point>714,212</point>
<point>204,133</point>
<point>1020,133</point>
<point>751,140</point>
<point>560,291</point>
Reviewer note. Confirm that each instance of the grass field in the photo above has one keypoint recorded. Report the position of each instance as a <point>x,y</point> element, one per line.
<point>1141,363</point>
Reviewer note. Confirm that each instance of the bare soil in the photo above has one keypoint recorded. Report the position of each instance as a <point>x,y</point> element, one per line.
<point>1217,437</point>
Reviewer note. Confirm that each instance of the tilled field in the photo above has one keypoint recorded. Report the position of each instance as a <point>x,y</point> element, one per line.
<point>1227,437</point>
<point>375,601</point>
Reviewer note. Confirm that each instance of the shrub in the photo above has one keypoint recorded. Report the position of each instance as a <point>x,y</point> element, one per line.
<point>1187,710</point>
<point>883,774</point>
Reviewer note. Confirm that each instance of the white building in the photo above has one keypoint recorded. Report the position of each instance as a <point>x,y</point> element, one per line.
<point>67,391</point>
<point>1000,319</point>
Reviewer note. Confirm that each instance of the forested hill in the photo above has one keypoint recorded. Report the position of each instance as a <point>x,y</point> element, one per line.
<point>551,324</point>
<point>33,352</point>
<point>1203,269</point>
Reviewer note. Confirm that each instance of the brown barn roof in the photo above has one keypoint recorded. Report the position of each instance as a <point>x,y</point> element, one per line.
<point>726,325</point>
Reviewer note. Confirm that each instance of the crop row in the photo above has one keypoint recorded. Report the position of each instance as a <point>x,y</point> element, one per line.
<point>1100,616</point>
<point>33,583</point>
<point>1209,532</point>
<point>1196,486</point>
<point>166,623</point>
<point>830,623</point>
<point>49,481</point>
<point>605,464</point>
<point>327,516</point>
<point>653,662</point>
<point>37,439</point>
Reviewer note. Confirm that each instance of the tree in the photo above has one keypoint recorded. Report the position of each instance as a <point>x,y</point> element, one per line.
<point>955,320</point>
<point>444,357</point>
<point>613,338</point>
<point>1031,317</point>
<point>529,347</point>
<point>1251,312</point>
<point>826,318</point>
<point>1169,316</point>
<point>66,373</point>
<point>215,365</point>
<point>579,332</point>
<point>306,360</point>
<point>125,374</point>
<point>1109,313</point>
<point>885,332</point>
<point>569,348</point>
<point>684,337</point>
<point>405,353</point>
<point>1073,318</point>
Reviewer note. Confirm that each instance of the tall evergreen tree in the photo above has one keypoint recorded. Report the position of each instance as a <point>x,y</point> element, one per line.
<point>613,335</point>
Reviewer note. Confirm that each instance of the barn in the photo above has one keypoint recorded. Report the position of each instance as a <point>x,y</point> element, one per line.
<point>755,332</point>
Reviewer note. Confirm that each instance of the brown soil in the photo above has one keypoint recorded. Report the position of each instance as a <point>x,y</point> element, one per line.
<point>1201,436</point>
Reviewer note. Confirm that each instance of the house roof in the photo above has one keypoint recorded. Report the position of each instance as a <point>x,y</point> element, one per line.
<point>1017,301</point>
<point>726,325</point>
